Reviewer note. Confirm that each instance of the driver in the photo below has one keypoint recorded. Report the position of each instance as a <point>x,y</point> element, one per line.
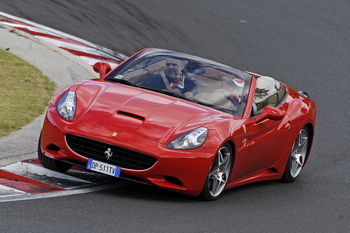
<point>174,78</point>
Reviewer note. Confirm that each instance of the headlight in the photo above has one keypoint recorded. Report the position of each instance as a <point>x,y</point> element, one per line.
<point>66,106</point>
<point>190,140</point>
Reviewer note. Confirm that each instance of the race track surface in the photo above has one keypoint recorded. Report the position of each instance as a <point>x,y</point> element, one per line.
<point>302,43</point>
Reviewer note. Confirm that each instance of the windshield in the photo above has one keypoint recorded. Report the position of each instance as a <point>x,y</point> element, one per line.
<point>187,77</point>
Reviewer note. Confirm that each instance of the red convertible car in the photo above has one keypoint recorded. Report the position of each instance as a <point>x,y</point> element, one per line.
<point>179,122</point>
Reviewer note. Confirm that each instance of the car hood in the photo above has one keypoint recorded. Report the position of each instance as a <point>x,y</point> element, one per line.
<point>131,113</point>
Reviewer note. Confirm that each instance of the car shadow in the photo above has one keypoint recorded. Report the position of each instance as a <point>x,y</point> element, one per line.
<point>147,192</point>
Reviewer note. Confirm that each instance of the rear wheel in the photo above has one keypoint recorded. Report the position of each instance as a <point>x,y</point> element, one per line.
<point>219,173</point>
<point>297,156</point>
<point>51,164</point>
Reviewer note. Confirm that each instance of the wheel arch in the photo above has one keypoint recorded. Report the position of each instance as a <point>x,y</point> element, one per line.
<point>233,148</point>
<point>311,130</point>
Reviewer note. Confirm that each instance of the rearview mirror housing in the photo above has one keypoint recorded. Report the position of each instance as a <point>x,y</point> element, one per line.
<point>102,68</point>
<point>271,113</point>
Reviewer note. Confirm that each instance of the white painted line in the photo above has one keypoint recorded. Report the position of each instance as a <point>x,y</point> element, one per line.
<point>23,167</point>
<point>11,190</point>
<point>64,192</point>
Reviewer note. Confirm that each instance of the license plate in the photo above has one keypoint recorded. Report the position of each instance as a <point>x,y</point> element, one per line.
<point>102,167</point>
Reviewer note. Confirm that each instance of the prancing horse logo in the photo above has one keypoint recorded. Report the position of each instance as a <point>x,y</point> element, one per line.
<point>108,153</point>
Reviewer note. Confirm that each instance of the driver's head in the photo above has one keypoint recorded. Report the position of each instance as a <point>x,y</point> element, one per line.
<point>173,68</point>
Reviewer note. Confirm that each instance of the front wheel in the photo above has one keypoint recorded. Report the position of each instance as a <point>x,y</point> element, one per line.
<point>297,156</point>
<point>219,173</point>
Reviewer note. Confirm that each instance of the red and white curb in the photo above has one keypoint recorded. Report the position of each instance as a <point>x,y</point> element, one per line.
<point>85,50</point>
<point>27,180</point>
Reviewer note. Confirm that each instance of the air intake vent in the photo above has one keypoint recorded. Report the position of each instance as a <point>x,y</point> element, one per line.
<point>131,115</point>
<point>121,157</point>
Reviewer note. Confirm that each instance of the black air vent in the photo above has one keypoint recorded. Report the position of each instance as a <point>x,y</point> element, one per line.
<point>131,115</point>
<point>121,157</point>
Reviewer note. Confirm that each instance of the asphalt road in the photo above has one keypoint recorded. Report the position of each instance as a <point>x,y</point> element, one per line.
<point>302,43</point>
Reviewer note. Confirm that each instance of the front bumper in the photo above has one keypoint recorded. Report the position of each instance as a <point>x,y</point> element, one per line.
<point>182,171</point>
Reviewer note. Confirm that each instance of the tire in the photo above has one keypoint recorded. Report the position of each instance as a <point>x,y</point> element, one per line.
<point>297,156</point>
<point>51,164</point>
<point>218,174</point>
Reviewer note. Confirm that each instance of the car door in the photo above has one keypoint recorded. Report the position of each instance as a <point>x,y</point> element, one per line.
<point>267,141</point>
<point>268,136</point>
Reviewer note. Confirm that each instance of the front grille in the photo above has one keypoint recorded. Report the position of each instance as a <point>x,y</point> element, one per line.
<point>122,157</point>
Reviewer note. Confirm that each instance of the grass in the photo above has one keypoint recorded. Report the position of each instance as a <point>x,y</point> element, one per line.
<point>24,93</point>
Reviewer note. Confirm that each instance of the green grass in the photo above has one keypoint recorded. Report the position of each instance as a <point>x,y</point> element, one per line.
<point>24,93</point>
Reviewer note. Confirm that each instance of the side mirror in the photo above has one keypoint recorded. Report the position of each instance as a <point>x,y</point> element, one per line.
<point>269,113</point>
<point>102,68</point>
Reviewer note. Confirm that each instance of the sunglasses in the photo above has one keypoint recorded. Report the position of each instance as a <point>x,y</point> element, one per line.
<point>171,64</point>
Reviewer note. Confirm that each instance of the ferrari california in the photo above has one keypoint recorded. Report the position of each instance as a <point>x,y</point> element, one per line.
<point>179,122</point>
